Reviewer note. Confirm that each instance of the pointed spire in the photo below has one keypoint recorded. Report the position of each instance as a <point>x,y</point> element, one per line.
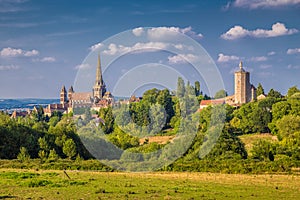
<point>71,90</point>
<point>241,65</point>
<point>99,80</point>
<point>63,89</point>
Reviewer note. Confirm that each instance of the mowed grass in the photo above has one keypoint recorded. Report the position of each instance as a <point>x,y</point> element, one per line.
<point>29,184</point>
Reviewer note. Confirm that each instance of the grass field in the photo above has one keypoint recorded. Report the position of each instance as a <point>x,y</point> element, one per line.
<point>30,184</point>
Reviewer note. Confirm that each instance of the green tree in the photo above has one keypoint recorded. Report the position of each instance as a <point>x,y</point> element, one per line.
<point>53,155</point>
<point>44,148</point>
<point>220,94</point>
<point>260,90</point>
<point>263,151</point>
<point>292,91</point>
<point>106,115</point>
<point>288,125</point>
<point>151,95</point>
<point>197,88</point>
<point>273,93</point>
<point>23,155</point>
<point>164,98</point>
<point>280,109</point>
<point>69,148</point>
<point>180,88</point>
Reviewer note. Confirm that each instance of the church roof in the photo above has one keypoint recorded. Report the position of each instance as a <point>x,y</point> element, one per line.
<point>82,96</point>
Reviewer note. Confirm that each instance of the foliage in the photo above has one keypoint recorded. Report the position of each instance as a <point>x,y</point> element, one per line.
<point>220,94</point>
<point>260,90</point>
<point>69,148</point>
<point>291,91</point>
<point>23,155</point>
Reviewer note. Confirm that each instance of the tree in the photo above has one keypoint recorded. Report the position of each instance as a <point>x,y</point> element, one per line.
<point>260,90</point>
<point>107,115</point>
<point>69,148</point>
<point>288,125</point>
<point>164,98</point>
<point>52,155</point>
<point>263,151</point>
<point>220,94</point>
<point>44,148</point>
<point>151,95</point>
<point>273,93</point>
<point>23,155</point>
<point>280,109</point>
<point>180,88</point>
<point>197,88</point>
<point>292,91</point>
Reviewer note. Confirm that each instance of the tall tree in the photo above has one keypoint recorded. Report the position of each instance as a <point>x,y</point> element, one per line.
<point>69,148</point>
<point>260,90</point>
<point>273,93</point>
<point>197,88</point>
<point>180,87</point>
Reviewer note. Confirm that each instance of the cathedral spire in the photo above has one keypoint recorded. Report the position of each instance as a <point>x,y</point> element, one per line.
<point>99,80</point>
<point>99,87</point>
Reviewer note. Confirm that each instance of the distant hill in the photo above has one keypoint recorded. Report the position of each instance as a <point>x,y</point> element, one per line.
<point>23,104</point>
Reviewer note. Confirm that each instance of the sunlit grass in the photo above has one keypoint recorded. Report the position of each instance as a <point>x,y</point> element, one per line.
<point>46,184</point>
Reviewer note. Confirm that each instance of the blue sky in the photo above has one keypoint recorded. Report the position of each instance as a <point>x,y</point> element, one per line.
<point>43,44</point>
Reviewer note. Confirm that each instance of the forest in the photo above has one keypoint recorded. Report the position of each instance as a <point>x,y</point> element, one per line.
<point>54,142</point>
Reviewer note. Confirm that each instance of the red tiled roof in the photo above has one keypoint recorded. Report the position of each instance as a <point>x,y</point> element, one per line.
<point>212,102</point>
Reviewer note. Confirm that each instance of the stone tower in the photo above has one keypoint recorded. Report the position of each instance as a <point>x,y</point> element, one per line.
<point>99,86</point>
<point>63,95</point>
<point>243,93</point>
<point>70,93</point>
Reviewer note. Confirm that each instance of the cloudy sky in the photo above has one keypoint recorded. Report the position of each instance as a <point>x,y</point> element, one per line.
<point>43,44</point>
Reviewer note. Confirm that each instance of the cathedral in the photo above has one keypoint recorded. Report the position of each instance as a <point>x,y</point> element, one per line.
<point>95,99</point>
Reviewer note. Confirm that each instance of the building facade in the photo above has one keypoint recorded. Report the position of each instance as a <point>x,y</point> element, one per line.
<point>244,91</point>
<point>97,98</point>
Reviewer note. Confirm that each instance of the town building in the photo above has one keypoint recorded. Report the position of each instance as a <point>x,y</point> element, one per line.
<point>97,98</point>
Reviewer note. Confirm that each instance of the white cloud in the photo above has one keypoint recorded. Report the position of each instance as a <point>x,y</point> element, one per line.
<point>31,53</point>
<point>83,66</point>
<point>293,66</point>
<point>96,46</point>
<point>226,58</point>
<point>254,4</point>
<point>138,47</point>
<point>293,51</point>
<point>182,58</point>
<point>170,33</point>
<point>259,59</point>
<point>271,53</point>
<point>8,67</point>
<point>278,29</point>
<point>48,59</point>
<point>265,66</point>
<point>11,52</point>
<point>44,59</point>
<point>138,31</point>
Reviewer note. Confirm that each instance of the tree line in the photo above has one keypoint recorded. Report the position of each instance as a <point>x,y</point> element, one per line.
<point>160,112</point>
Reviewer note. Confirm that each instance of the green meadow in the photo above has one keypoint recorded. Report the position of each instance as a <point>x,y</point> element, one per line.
<point>59,184</point>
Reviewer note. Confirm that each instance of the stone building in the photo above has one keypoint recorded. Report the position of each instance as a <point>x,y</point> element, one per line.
<point>244,91</point>
<point>97,98</point>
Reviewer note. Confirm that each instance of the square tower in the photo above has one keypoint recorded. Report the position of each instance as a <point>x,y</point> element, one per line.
<point>242,86</point>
